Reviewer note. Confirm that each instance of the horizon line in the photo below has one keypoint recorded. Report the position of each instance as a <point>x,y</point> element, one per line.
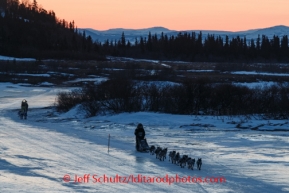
<point>116,28</point>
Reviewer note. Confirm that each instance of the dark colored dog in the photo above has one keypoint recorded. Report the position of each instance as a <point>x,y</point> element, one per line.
<point>183,161</point>
<point>152,150</point>
<point>21,114</point>
<point>191,163</point>
<point>157,151</point>
<point>163,154</point>
<point>199,163</point>
<point>176,158</point>
<point>172,155</point>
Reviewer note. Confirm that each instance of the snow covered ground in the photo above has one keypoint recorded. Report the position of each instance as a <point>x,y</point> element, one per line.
<point>16,59</point>
<point>52,152</point>
<point>260,73</point>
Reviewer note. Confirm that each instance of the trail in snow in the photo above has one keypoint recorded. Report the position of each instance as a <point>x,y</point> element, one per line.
<point>37,153</point>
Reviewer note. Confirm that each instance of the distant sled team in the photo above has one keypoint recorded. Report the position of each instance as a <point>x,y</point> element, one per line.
<point>161,153</point>
<point>24,108</point>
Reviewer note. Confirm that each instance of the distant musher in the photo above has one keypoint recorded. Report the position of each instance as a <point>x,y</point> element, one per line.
<point>24,109</point>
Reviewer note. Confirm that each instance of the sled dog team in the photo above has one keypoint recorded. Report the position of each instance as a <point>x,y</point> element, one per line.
<point>175,157</point>
<point>161,153</point>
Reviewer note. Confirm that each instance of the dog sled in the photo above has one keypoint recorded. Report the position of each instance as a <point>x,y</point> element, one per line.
<point>143,145</point>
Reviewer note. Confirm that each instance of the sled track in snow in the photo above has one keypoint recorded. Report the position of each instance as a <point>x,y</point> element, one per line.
<point>50,153</point>
<point>36,140</point>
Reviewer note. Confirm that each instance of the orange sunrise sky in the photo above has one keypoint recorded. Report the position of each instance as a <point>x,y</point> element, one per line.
<point>228,15</point>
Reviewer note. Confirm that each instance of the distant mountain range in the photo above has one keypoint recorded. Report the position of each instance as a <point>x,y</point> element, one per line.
<point>132,34</point>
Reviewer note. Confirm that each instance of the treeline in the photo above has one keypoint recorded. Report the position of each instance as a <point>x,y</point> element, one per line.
<point>188,97</point>
<point>27,30</point>
<point>193,47</point>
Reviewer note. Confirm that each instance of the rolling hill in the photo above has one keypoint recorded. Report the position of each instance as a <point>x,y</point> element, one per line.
<point>132,34</point>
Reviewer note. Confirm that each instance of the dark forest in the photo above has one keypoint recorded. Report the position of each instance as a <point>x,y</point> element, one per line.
<point>29,31</point>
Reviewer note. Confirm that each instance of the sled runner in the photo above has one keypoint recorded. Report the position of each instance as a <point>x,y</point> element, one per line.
<point>143,145</point>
